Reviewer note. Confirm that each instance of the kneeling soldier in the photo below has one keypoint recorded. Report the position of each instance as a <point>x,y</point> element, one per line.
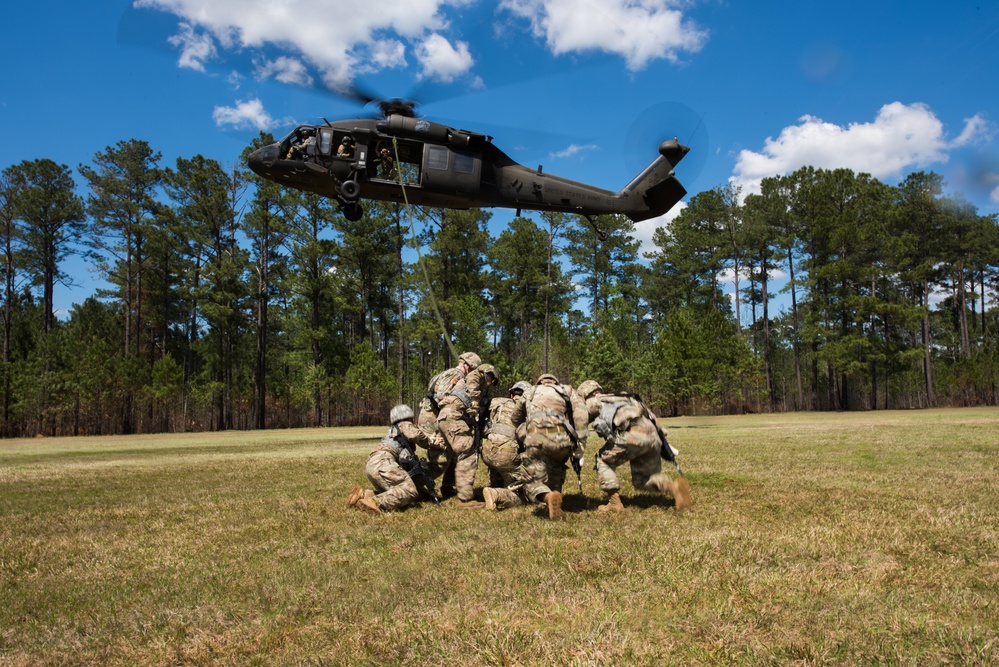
<point>398,475</point>
<point>502,446</point>
<point>631,435</point>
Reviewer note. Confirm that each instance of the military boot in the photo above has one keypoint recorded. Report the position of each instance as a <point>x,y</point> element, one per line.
<point>356,493</point>
<point>489,495</point>
<point>681,492</point>
<point>369,506</point>
<point>554,501</point>
<point>614,504</point>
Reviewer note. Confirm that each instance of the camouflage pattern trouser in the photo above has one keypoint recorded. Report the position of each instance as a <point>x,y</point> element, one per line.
<point>460,440</point>
<point>396,488</point>
<point>543,463</point>
<point>427,422</point>
<point>641,453</point>
<point>500,453</point>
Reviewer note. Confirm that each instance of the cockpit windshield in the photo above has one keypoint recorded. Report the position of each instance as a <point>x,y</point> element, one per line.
<point>298,138</point>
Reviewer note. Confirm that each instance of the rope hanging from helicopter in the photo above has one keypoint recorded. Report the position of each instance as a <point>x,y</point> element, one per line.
<point>419,255</point>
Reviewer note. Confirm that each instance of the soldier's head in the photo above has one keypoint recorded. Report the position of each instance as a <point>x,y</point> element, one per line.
<point>400,413</point>
<point>470,360</point>
<point>547,378</point>
<point>489,372</point>
<point>519,389</point>
<point>588,389</point>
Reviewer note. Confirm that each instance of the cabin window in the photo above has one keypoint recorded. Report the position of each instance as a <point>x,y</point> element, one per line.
<point>325,141</point>
<point>437,157</point>
<point>463,163</point>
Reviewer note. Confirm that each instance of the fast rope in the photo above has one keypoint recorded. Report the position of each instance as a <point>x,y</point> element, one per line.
<point>419,255</point>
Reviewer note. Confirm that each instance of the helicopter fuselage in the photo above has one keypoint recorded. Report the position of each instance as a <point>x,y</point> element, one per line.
<point>405,159</point>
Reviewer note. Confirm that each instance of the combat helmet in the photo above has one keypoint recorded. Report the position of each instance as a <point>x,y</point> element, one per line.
<point>471,359</point>
<point>489,369</point>
<point>588,388</point>
<point>401,412</point>
<point>547,378</point>
<point>521,386</point>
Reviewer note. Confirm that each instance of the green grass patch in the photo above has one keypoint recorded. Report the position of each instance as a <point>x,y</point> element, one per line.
<point>867,538</point>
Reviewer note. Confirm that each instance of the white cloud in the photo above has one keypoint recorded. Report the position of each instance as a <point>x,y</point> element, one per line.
<point>646,228</point>
<point>195,48</point>
<point>571,150</point>
<point>639,31</point>
<point>442,60</point>
<point>339,38</point>
<point>285,70</point>
<point>901,137</point>
<point>245,115</point>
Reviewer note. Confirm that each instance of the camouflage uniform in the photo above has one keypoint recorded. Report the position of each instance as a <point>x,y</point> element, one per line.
<point>555,429</point>
<point>629,430</point>
<point>389,465</point>
<point>456,421</point>
<point>501,449</point>
<point>440,386</point>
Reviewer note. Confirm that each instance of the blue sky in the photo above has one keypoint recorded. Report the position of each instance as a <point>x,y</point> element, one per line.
<point>586,88</point>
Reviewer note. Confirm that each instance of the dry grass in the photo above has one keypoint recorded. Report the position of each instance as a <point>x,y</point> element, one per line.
<point>814,539</point>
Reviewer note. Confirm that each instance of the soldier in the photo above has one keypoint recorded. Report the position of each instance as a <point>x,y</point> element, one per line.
<point>393,468</point>
<point>439,387</point>
<point>629,429</point>
<point>457,421</point>
<point>555,429</point>
<point>501,448</point>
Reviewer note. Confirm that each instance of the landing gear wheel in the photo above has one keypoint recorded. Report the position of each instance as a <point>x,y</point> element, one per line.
<point>353,212</point>
<point>350,190</point>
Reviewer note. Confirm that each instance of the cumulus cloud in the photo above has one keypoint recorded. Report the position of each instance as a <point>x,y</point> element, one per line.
<point>246,115</point>
<point>339,38</point>
<point>900,138</point>
<point>645,229</point>
<point>441,60</point>
<point>639,31</point>
<point>285,70</point>
<point>571,150</point>
<point>195,49</point>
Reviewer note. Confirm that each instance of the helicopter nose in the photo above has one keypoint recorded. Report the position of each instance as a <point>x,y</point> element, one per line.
<point>263,158</point>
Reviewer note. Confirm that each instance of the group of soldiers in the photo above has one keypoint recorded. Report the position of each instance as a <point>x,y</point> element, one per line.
<point>526,439</point>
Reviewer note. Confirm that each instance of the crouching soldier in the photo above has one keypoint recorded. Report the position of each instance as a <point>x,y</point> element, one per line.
<point>501,448</point>
<point>631,435</point>
<point>399,477</point>
<point>555,430</point>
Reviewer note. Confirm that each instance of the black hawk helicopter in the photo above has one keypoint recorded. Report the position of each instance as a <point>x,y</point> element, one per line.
<point>398,157</point>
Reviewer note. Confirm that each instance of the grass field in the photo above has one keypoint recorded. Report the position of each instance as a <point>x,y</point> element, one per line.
<point>868,538</point>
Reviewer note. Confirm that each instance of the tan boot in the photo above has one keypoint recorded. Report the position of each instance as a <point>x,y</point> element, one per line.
<point>369,505</point>
<point>489,495</point>
<point>368,493</point>
<point>681,492</point>
<point>356,493</point>
<point>554,501</point>
<point>614,504</point>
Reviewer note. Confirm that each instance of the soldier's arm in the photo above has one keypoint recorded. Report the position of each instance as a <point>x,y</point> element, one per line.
<point>580,417</point>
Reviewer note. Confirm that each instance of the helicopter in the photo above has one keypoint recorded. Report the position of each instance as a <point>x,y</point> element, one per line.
<point>398,157</point>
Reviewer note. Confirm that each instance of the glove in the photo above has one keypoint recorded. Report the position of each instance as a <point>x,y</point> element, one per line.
<point>603,428</point>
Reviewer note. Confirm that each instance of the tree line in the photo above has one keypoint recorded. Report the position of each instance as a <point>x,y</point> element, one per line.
<point>234,303</point>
